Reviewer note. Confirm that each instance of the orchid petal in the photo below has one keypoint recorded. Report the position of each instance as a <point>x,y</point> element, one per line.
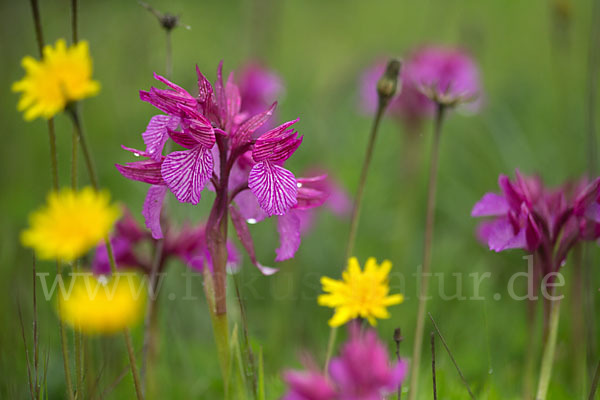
<point>311,197</point>
<point>205,90</point>
<point>276,133</point>
<point>156,134</point>
<point>512,196</point>
<point>148,171</point>
<point>243,233</point>
<point>249,207</point>
<point>245,131</point>
<point>277,150</point>
<point>288,226</point>
<point>183,138</point>
<point>274,186</point>
<point>502,236</point>
<point>152,207</point>
<point>186,173</point>
<point>233,101</point>
<point>491,204</point>
<point>201,130</point>
<point>220,94</point>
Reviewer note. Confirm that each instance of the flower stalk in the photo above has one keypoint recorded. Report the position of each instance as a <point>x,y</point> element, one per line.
<point>593,72</point>
<point>73,112</point>
<point>398,339</point>
<point>250,367</point>
<point>427,252</point>
<point>595,382</point>
<point>215,283</point>
<point>434,384</point>
<point>386,89</point>
<point>54,171</point>
<point>134,371</point>
<point>149,318</point>
<point>220,330</point>
<point>548,355</point>
<point>78,335</point>
<point>64,348</point>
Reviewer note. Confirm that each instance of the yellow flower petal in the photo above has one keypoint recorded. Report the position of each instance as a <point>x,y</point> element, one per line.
<point>100,305</point>
<point>394,299</point>
<point>70,224</point>
<point>360,293</point>
<point>64,75</point>
<point>341,316</point>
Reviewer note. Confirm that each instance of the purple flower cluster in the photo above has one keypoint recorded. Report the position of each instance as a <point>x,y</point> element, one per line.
<point>545,222</point>
<point>224,151</point>
<point>361,372</point>
<point>429,75</point>
<point>130,243</point>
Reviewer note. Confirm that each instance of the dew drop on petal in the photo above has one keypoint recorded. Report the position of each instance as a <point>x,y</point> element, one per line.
<point>251,221</point>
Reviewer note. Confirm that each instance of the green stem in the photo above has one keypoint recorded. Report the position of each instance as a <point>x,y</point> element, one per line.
<point>363,181</point>
<point>36,344</point>
<point>150,311</point>
<point>64,348</point>
<point>169,55</point>
<point>434,384</point>
<point>381,106</point>
<point>548,355</point>
<point>74,157</point>
<point>74,113</point>
<point>531,350</point>
<point>132,363</point>
<point>250,367</point>
<point>54,169</point>
<point>74,29</point>
<point>78,365</point>
<point>578,328</point>
<point>53,161</point>
<point>126,334</point>
<point>330,345</point>
<point>427,253</point>
<point>595,381</point>
<point>220,330</point>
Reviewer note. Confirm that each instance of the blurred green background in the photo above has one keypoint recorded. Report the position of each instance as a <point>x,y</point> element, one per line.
<point>534,65</point>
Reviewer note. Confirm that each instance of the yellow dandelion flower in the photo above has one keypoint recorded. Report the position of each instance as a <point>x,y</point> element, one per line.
<point>100,304</point>
<point>363,294</point>
<point>70,224</point>
<point>63,75</point>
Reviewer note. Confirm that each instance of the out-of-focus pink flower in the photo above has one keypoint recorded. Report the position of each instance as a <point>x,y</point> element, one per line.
<point>445,75</point>
<point>188,244</point>
<point>259,88</point>
<point>356,381</point>
<point>545,222</point>
<point>332,195</point>
<point>308,385</point>
<point>428,75</point>
<point>362,372</point>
